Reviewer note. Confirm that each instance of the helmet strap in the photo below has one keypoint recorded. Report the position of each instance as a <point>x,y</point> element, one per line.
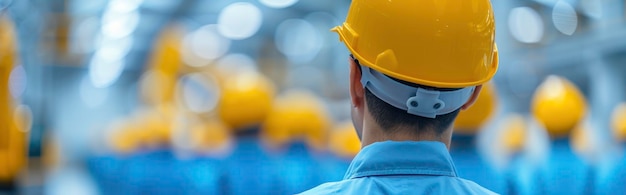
<point>417,101</point>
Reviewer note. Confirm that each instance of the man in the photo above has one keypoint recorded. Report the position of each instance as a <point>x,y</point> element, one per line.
<point>414,66</point>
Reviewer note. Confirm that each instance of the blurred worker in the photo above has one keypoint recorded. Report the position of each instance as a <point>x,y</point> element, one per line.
<point>245,102</point>
<point>559,106</point>
<point>165,147</point>
<point>470,163</point>
<point>344,144</point>
<point>515,147</point>
<point>414,66</point>
<point>14,133</point>
<point>296,131</point>
<point>612,175</point>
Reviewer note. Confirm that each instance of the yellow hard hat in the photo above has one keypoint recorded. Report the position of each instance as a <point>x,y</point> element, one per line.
<point>344,141</point>
<point>470,120</point>
<point>619,122</point>
<point>446,44</point>
<point>246,99</point>
<point>297,115</point>
<point>558,105</point>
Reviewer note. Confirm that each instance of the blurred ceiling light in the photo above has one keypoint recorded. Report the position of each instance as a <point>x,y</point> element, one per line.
<point>298,40</point>
<point>233,63</point>
<point>125,5</point>
<point>564,18</point>
<point>114,48</point>
<point>104,72</point>
<point>239,20</point>
<point>206,44</point>
<point>278,3</point>
<point>119,24</point>
<point>17,81</point>
<point>91,96</point>
<point>525,25</point>
<point>200,93</point>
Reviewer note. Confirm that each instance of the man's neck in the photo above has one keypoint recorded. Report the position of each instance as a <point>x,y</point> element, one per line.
<point>372,133</point>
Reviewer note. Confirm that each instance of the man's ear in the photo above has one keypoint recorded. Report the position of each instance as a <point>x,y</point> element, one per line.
<point>357,92</point>
<point>473,98</point>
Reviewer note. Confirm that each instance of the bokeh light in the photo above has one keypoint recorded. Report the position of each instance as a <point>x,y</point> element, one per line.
<point>124,5</point>
<point>118,24</point>
<point>298,40</point>
<point>18,81</point>
<point>526,25</point>
<point>205,44</point>
<point>104,72</point>
<point>113,48</point>
<point>564,18</point>
<point>239,20</point>
<point>236,62</point>
<point>200,93</point>
<point>278,3</point>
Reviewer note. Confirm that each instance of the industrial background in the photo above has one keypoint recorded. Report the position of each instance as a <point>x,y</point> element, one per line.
<point>251,97</point>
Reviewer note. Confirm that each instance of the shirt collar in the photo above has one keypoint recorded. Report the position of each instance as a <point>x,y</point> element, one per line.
<point>402,158</point>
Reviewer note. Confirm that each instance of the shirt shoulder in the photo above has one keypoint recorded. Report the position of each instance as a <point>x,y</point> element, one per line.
<point>473,188</point>
<point>326,188</point>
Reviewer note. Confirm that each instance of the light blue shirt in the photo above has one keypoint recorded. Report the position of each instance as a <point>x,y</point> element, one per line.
<point>401,168</point>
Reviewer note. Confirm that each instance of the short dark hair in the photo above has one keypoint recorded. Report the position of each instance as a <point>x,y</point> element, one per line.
<point>391,118</point>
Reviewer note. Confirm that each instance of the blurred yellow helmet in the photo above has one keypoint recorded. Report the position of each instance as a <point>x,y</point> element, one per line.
<point>14,134</point>
<point>558,105</point>
<point>210,136</point>
<point>7,42</point>
<point>166,56</point>
<point>297,115</point>
<point>472,119</point>
<point>619,122</point>
<point>246,100</point>
<point>154,128</point>
<point>124,138</point>
<point>446,44</point>
<point>514,132</point>
<point>159,81</point>
<point>344,141</point>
